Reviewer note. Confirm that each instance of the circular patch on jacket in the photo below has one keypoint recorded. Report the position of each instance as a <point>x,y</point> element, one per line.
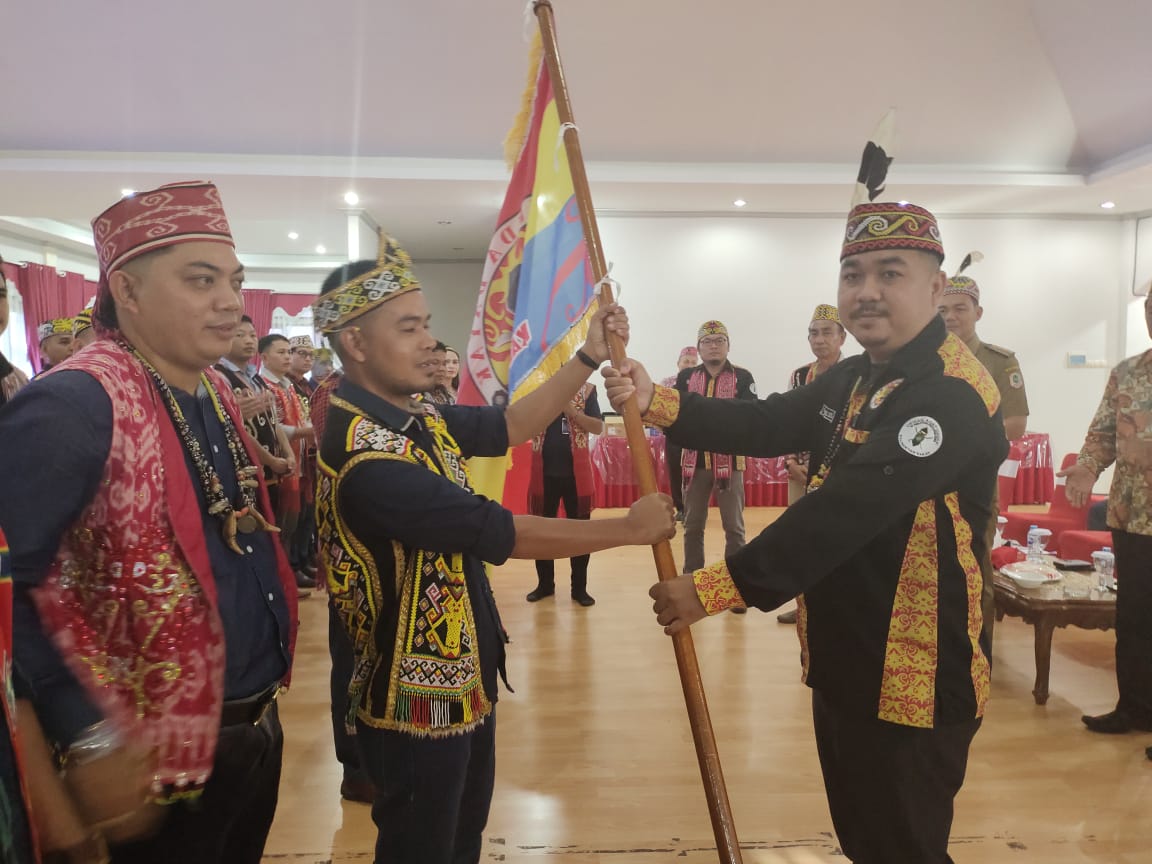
<point>1015,380</point>
<point>921,436</point>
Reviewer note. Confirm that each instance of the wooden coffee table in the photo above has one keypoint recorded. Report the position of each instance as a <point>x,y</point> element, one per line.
<point>1072,602</point>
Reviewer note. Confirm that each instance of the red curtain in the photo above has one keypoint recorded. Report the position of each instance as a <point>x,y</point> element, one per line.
<point>48,294</point>
<point>258,306</point>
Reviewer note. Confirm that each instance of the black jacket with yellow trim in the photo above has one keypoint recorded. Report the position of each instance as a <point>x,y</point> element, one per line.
<point>886,551</point>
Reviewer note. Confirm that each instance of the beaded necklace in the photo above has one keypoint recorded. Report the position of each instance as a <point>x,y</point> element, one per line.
<point>244,515</point>
<point>848,413</point>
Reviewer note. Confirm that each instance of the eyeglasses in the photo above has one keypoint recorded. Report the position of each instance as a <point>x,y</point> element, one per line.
<point>714,340</point>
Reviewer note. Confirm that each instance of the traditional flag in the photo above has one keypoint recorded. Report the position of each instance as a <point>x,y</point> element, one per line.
<point>537,292</point>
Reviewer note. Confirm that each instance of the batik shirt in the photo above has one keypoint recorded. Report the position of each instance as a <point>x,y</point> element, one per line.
<point>1121,432</point>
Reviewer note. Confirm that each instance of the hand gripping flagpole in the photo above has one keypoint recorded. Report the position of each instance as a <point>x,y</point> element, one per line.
<point>723,827</point>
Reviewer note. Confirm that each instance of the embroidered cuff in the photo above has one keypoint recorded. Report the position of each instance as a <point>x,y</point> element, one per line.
<point>665,407</point>
<point>716,590</point>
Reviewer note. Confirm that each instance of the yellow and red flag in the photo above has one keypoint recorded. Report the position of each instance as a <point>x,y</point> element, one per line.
<point>537,292</point>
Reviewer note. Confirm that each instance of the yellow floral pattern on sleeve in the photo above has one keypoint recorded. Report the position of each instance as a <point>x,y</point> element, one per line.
<point>716,590</point>
<point>665,407</point>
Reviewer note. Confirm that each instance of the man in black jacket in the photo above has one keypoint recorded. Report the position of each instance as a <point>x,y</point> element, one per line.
<point>883,552</point>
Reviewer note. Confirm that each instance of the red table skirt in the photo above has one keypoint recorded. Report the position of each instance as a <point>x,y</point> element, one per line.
<point>1035,476</point>
<point>765,480</point>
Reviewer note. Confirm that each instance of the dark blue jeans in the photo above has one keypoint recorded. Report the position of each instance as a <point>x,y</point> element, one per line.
<point>432,794</point>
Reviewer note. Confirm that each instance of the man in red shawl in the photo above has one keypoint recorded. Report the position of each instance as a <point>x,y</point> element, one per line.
<point>154,612</point>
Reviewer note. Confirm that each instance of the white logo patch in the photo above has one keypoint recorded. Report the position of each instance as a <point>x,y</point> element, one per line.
<point>752,389</point>
<point>921,436</point>
<point>827,413</point>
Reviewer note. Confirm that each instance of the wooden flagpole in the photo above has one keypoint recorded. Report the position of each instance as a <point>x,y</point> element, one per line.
<point>723,827</point>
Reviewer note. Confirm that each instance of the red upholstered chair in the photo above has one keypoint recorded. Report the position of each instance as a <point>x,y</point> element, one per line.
<point>1060,516</point>
<point>1007,478</point>
<point>1081,544</point>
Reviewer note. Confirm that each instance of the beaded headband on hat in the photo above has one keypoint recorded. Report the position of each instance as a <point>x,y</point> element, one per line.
<point>323,355</point>
<point>826,312</point>
<point>960,284</point>
<point>711,328</point>
<point>688,351</point>
<point>300,342</point>
<point>874,227</point>
<point>877,227</point>
<point>82,321</point>
<point>391,278</point>
<point>55,327</point>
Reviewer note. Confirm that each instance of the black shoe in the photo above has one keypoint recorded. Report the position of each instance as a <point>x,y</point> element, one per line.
<point>309,570</point>
<point>680,516</point>
<point>1114,723</point>
<point>303,580</point>
<point>584,598</point>
<point>539,593</point>
<point>787,617</point>
<point>1148,752</point>
<point>358,789</point>
<point>739,610</point>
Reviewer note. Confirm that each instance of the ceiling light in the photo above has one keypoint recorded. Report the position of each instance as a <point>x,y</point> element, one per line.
<point>739,202</point>
<point>292,235</point>
<point>1108,205</point>
<point>321,250</point>
<point>124,193</point>
<point>351,199</point>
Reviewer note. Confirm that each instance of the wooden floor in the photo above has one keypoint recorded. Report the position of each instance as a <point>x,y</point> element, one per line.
<point>596,765</point>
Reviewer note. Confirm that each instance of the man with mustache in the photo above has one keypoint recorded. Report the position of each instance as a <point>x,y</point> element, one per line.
<point>884,549</point>
<point>155,613</point>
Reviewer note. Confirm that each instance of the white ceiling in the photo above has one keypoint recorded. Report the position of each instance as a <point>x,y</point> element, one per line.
<point>1004,106</point>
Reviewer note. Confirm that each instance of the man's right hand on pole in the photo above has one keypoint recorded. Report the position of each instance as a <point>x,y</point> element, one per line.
<point>653,518</point>
<point>630,378</point>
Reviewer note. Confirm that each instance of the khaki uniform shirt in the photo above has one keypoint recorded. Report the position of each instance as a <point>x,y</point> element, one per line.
<point>1005,371</point>
<point>1121,432</point>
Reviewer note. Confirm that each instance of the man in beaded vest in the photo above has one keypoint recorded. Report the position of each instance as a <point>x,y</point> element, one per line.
<point>403,541</point>
<point>885,547</point>
<point>154,612</point>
